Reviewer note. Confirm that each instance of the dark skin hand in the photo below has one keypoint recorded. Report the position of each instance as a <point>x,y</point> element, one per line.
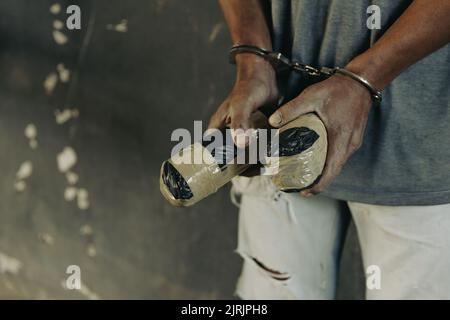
<point>255,83</point>
<point>255,86</point>
<point>342,103</point>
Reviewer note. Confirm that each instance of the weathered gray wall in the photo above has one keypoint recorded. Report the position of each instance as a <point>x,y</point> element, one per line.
<point>131,89</point>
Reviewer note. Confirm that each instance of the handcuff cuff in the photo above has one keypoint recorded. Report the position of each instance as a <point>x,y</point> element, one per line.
<point>280,62</point>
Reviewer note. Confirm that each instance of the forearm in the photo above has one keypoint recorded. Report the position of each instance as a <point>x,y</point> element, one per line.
<point>246,22</point>
<point>247,25</point>
<point>422,29</point>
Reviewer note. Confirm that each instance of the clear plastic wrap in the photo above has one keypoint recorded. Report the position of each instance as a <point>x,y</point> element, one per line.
<point>186,184</point>
<point>301,153</point>
<point>297,162</point>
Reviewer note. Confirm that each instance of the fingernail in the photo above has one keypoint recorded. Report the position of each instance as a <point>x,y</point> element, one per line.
<point>276,119</point>
<point>240,139</point>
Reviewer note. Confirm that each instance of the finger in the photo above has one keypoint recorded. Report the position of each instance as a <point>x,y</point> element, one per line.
<point>290,111</point>
<point>218,119</point>
<point>239,113</point>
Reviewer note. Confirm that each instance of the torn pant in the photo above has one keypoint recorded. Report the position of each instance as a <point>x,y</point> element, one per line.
<point>291,245</point>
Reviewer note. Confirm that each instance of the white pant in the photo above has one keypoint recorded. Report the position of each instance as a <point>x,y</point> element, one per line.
<point>291,245</point>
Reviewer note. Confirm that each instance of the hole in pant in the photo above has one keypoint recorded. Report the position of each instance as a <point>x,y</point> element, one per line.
<point>277,275</point>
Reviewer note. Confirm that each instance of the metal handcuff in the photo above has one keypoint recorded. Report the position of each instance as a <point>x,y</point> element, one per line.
<point>279,61</point>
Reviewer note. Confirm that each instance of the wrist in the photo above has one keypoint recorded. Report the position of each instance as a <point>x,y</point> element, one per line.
<point>352,87</point>
<point>372,68</point>
<point>250,66</point>
<point>363,83</point>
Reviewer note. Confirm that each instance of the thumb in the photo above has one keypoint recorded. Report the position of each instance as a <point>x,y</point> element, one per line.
<point>290,111</point>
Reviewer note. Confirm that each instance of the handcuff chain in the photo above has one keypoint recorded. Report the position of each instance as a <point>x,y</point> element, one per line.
<point>279,61</point>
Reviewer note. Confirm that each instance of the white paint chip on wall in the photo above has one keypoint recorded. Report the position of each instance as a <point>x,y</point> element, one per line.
<point>55,8</point>
<point>33,144</point>
<point>120,27</point>
<point>50,83</point>
<point>71,177</point>
<point>83,199</point>
<point>31,134</point>
<point>66,159</point>
<point>58,24</point>
<point>65,115</point>
<point>86,230</point>
<point>20,185</point>
<point>64,73</point>
<point>91,250</point>
<point>46,238</point>
<point>25,170</point>
<point>9,264</point>
<point>215,32</point>
<point>70,193</point>
<point>30,131</point>
<point>88,293</point>
<point>59,37</point>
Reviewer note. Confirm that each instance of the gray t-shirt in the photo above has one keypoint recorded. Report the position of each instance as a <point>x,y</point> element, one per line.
<point>405,156</point>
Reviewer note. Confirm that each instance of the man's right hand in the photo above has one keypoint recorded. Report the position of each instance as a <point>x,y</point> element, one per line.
<point>255,86</point>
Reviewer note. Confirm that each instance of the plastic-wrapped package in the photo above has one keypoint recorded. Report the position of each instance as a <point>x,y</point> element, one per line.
<point>297,162</point>
<point>301,153</point>
<point>185,184</point>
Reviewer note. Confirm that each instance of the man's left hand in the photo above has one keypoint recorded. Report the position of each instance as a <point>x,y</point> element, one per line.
<point>343,105</point>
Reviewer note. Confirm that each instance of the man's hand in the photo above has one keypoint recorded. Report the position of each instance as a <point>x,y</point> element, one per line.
<point>255,86</point>
<point>343,105</point>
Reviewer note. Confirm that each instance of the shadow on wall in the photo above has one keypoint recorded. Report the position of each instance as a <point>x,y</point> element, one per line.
<point>87,115</point>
